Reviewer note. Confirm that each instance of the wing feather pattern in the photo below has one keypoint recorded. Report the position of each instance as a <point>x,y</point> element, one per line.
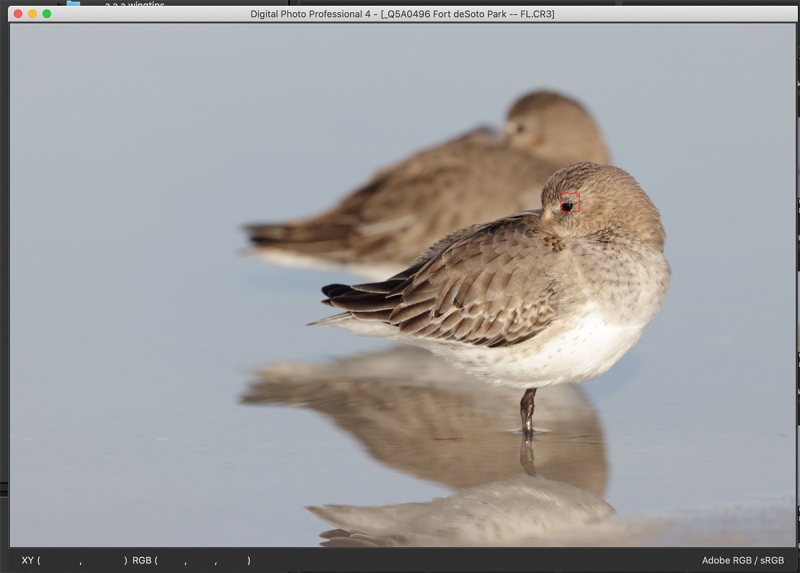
<point>390,203</point>
<point>486,285</point>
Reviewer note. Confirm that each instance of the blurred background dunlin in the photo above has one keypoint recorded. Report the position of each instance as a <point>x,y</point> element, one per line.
<point>380,228</point>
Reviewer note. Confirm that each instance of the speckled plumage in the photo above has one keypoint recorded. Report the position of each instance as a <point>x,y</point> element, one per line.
<point>480,176</point>
<point>534,299</point>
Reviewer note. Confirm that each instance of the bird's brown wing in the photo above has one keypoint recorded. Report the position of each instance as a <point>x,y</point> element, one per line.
<point>408,205</point>
<point>491,286</point>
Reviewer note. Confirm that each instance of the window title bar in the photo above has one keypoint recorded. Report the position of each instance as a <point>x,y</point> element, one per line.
<point>155,12</point>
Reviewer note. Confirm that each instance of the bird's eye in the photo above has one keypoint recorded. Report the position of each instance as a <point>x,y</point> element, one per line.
<point>520,128</point>
<point>570,202</point>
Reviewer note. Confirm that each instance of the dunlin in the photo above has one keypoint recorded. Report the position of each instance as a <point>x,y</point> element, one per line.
<point>381,227</point>
<point>533,299</point>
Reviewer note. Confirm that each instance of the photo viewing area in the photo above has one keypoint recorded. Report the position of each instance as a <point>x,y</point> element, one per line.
<point>556,248</point>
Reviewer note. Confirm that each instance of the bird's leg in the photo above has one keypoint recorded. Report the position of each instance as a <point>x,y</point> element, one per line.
<point>526,412</point>
<point>526,457</point>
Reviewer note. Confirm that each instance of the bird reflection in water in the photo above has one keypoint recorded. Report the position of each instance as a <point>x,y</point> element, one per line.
<point>415,413</point>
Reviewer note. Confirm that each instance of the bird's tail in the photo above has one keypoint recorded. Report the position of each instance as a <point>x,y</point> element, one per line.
<point>307,237</point>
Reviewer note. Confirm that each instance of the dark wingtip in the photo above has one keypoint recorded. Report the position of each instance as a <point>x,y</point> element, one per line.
<point>260,241</point>
<point>334,290</point>
<point>265,233</point>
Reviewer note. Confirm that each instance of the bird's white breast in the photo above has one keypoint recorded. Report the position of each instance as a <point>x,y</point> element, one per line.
<point>590,344</point>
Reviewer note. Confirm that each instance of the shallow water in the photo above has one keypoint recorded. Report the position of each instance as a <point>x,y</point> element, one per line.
<point>170,386</point>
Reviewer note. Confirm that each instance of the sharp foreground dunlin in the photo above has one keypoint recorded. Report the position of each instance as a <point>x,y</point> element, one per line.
<point>534,299</point>
<point>381,227</point>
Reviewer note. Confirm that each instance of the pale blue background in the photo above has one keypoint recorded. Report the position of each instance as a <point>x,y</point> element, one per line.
<point>138,150</point>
